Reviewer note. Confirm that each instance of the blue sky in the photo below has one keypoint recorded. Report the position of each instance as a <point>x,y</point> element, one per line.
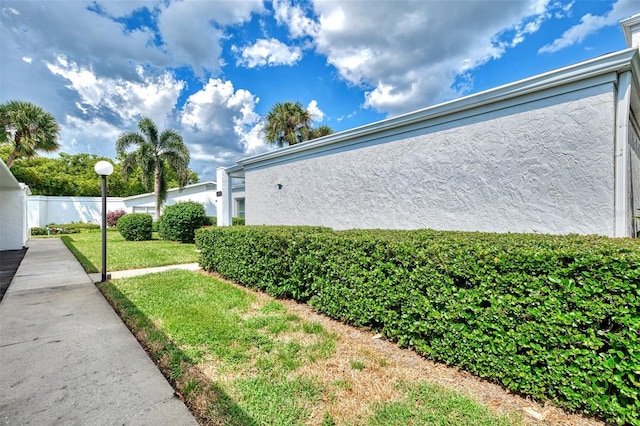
<point>212,69</point>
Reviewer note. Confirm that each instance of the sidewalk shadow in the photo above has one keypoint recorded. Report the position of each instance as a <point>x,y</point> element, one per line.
<point>223,410</point>
<point>9,262</point>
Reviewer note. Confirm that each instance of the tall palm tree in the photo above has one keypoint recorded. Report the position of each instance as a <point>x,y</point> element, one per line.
<point>154,154</point>
<point>28,129</point>
<point>287,122</point>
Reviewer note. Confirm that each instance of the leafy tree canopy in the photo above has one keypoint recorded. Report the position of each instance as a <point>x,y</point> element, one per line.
<point>74,175</point>
<point>155,153</point>
<point>27,129</point>
<point>289,123</point>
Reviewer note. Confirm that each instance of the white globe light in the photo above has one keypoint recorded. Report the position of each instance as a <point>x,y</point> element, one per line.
<point>103,168</point>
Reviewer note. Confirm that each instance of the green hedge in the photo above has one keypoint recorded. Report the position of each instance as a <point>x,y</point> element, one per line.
<point>135,226</point>
<point>548,316</point>
<point>235,221</point>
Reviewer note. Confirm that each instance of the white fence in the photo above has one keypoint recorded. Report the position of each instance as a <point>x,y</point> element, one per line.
<point>43,210</point>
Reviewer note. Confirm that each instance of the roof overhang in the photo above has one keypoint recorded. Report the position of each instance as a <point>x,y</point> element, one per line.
<point>603,69</point>
<point>194,185</point>
<point>629,26</point>
<point>7,179</point>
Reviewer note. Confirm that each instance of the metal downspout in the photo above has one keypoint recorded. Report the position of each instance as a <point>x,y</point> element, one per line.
<point>621,152</point>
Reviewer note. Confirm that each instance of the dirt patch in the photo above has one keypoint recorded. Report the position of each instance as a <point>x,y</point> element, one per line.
<point>368,368</point>
<point>385,364</point>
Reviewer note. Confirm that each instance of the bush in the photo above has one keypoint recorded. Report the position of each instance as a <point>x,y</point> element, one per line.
<point>113,216</point>
<point>65,228</point>
<point>135,226</point>
<point>235,221</point>
<point>180,221</point>
<point>547,316</point>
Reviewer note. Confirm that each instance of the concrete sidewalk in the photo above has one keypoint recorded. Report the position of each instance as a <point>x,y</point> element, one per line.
<point>67,358</point>
<point>96,278</point>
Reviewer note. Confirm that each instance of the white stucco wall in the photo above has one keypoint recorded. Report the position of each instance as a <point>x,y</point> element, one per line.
<point>542,163</point>
<point>203,194</point>
<point>44,210</point>
<point>634,178</point>
<point>13,214</point>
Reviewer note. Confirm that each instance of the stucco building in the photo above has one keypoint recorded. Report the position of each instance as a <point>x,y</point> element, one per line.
<point>555,153</point>
<point>44,210</point>
<point>13,211</point>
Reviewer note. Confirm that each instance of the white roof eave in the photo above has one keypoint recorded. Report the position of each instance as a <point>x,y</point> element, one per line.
<point>194,185</point>
<point>7,179</point>
<point>606,64</point>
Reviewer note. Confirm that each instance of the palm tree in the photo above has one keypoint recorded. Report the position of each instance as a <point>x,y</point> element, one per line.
<point>287,122</point>
<point>28,129</point>
<point>320,131</point>
<point>154,154</point>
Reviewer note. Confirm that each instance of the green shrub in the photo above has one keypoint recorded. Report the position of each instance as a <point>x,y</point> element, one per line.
<point>65,228</point>
<point>135,226</point>
<point>38,230</point>
<point>235,221</point>
<point>553,317</point>
<point>74,227</point>
<point>180,221</point>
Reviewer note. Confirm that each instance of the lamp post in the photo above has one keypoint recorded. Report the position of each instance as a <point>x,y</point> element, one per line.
<point>104,169</point>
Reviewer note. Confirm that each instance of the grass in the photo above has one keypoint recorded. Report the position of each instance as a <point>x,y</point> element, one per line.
<point>123,254</point>
<point>241,358</point>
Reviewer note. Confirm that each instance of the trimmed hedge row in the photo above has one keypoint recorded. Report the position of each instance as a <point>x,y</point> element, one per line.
<point>548,316</point>
<point>235,221</point>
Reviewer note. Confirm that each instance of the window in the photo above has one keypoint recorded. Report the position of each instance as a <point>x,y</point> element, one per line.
<point>240,207</point>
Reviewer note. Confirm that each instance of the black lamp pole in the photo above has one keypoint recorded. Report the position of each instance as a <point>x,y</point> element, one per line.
<point>104,228</point>
<point>104,169</point>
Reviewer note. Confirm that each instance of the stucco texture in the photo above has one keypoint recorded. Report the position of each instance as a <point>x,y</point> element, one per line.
<point>634,179</point>
<point>539,166</point>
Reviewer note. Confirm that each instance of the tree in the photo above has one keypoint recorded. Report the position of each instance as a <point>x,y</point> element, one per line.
<point>287,122</point>
<point>27,128</point>
<point>74,175</point>
<point>290,123</point>
<point>320,131</point>
<point>155,154</point>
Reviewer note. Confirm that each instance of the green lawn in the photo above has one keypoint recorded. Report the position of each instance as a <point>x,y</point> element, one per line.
<point>123,254</point>
<point>241,358</point>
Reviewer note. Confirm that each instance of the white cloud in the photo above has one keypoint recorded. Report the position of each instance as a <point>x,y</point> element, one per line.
<point>295,18</point>
<point>153,96</point>
<point>73,136</point>
<point>270,52</point>
<point>409,56</point>
<point>317,114</point>
<point>124,8</point>
<point>589,24</point>
<point>192,30</point>
<point>222,121</point>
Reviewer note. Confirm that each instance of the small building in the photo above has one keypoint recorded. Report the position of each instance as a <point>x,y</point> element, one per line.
<point>555,153</point>
<point>44,210</point>
<point>13,211</point>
